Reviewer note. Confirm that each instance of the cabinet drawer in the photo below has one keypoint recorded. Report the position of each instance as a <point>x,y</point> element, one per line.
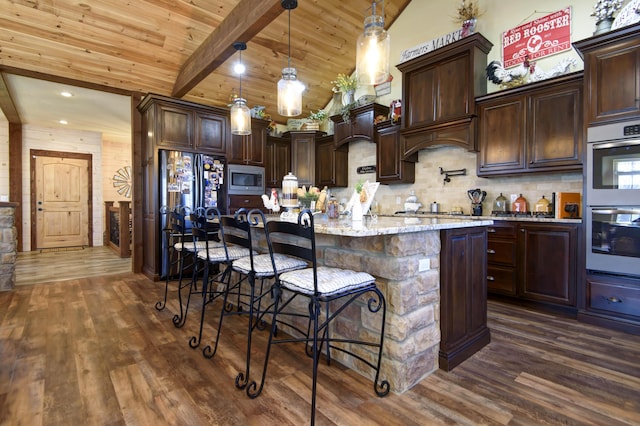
<point>614,297</point>
<point>502,230</point>
<point>503,252</point>
<point>237,202</point>
<point>501,280</point>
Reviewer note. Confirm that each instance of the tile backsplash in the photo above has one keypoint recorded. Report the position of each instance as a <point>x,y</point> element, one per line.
<point>429,185</point>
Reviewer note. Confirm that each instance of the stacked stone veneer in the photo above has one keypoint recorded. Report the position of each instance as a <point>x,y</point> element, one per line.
<point>412,334</point>
<point>8,246</point>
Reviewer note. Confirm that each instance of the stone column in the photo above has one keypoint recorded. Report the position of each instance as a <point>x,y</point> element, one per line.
<point>8,246</point>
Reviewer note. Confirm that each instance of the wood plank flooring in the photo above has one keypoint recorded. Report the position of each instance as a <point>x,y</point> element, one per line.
<point>38,267</point>
<point>95,351</point>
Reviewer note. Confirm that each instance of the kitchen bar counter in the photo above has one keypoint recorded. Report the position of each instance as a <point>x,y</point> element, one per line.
<point>422,265</point>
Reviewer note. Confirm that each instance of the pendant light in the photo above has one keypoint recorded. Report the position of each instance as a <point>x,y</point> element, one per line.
<point>289,88</point>
<point>373,49</point>
<point>240,114</point>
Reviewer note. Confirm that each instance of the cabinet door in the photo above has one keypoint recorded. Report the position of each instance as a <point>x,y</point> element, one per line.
<point>303,162</point>
<point>249,149</point>
<point>463,290</point>
<point>175,127</point>
<point>555,128</point>
<point>236,202</point>
<point>331,164</point>
<point>362,125</point>
<point>547,262</point>
<point>613,77</point>
<point>502,137</point>
<point>452,100</point>
<point>341,131</point>
<point>236,150</point>
<point>390,168</point>
<point>211,133</point>
<point>277,161</point>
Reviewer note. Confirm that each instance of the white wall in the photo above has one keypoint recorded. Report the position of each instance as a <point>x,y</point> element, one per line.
<point>4,157</point>
<point>422,21</point>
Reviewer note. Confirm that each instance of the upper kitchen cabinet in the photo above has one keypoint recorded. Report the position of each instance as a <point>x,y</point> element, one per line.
<point>391,168</point>
<point>249,149</point>
<point>611,75</point>
<point>331,163</point>
<point>277,161</point>
<point>176,124</point>
<point>532,128</point>
<point>360,125</point>
<point>438,94</point>
<point>303,154</point>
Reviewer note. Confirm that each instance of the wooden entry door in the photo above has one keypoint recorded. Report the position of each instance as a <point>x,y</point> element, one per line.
<point>61,199</point>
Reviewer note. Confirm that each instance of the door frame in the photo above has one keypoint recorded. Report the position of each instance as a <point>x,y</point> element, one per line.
<point>59,154</point>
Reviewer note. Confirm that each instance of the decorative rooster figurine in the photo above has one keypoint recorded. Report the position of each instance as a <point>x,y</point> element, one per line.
<point>496,73</point>
<point>271,203</point>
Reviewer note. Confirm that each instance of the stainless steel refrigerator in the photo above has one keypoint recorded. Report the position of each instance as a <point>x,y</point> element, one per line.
<point>188,180</point>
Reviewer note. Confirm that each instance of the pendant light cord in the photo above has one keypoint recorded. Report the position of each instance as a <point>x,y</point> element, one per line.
<point>289,56</point>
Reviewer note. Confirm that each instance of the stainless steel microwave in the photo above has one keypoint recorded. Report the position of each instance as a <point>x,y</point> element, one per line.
<point>245,180</point>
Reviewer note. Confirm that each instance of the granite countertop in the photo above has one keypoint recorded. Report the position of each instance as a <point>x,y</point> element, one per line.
<point>388,225</point>
<point>494,218</point>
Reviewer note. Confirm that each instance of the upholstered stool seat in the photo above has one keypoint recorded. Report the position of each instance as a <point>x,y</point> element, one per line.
<point>331,281</point>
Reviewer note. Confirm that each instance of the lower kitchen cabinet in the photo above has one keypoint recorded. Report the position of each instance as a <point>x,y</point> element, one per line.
<point>612,302</point>
<point>534,261</point>
<point>237,202</point>
<point>463,295</point>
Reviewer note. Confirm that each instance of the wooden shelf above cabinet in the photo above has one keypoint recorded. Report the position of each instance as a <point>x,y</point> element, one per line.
<point>360,125</point>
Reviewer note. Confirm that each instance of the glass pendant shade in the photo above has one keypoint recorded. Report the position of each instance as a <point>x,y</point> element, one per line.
<point>373,51</point>
<point>240,117</point>
<point>289,94</point>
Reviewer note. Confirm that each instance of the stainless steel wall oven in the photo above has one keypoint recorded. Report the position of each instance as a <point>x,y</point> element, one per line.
<point>613,198</point>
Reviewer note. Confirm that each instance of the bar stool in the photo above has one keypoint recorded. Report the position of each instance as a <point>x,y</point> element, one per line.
<point>255,266</point>
<point>321,285</point>
<point>217,257</point>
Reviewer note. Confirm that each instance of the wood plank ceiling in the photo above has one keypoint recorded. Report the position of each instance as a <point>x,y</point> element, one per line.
<point>183,48</point>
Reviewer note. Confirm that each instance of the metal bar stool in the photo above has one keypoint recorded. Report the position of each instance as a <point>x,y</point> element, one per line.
<point>321,285</point>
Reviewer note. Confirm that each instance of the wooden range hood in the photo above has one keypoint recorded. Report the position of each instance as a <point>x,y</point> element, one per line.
<point>438,95</point>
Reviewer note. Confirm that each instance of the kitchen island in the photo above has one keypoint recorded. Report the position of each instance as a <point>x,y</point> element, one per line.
<point>432,272</point>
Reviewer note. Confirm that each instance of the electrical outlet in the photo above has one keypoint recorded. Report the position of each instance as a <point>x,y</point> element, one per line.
<point>424,265</point>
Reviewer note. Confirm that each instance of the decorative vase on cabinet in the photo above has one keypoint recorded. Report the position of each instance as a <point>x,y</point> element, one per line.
<point>348,97</point>
<point>603,26</point>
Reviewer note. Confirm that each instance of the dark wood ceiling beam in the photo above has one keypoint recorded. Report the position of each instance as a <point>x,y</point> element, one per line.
<point>246,20</point>
<point>6,103</point>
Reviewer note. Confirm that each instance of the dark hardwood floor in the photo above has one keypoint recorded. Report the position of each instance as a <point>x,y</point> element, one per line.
<point>95,351</point>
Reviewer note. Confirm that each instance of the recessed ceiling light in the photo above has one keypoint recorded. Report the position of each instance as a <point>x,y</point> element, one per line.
<point>66,94</point>
<point>63,122</point>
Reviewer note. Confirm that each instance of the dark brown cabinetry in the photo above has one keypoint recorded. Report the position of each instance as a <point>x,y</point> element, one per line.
<point>463,295</point>
<point>172,124</point>
<point>438,91</point>
<point>277,161</point>
<point>360,124</point>
<point>534,128</point>
<point>390,166</point>
<point>237,202</point>
<point>303,150</point>
<point>249,149</point>
<point>331,163</point>
<point>613,302</point>
<point>611,72</point>
<point>536,262</point>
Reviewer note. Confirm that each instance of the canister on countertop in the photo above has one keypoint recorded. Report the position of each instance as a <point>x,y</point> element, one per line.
<point>519,205</point>
<point>543,206</point>
<point>333,208</point>
<point>435,207</point>
<point>500,205</point>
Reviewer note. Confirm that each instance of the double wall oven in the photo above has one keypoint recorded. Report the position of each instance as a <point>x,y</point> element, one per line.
<point>613,199</point>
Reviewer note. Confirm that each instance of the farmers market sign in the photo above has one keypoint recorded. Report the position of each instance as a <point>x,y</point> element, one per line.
<point>542,37</point>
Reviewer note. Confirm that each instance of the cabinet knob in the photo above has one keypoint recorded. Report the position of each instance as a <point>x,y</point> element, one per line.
<point>491,230</point>
<point>491,251</point>
<point>490,278</point>
<point>522,230</point>
<point>614,299</point>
